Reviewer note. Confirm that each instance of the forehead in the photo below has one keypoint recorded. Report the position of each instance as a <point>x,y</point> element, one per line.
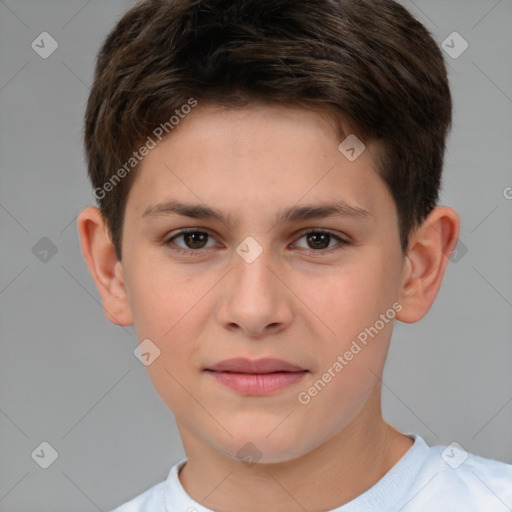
<point>260,157</point>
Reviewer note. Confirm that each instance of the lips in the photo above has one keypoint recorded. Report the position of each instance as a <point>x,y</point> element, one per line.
<point>241,365</point>
<point>256,377</point>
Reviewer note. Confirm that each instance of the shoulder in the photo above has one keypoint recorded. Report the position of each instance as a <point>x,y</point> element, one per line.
<point>452,479</point>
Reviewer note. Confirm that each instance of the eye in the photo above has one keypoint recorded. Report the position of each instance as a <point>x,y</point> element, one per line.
<point>319,239</point>
<point>193,240</point>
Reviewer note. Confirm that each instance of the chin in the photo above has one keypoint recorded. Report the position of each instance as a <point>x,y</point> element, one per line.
<point>264,446</point>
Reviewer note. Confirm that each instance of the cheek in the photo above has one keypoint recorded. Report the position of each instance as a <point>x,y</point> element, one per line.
<point>351,302</point>
<point>167,312</point>
<point>165,307</point>
<point>161,297</point>
<point>346,299</point>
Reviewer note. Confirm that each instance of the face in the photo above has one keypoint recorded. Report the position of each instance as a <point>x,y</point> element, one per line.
<point>266,267</point>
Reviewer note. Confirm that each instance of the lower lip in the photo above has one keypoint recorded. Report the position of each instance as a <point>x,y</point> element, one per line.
<point>258,384</point>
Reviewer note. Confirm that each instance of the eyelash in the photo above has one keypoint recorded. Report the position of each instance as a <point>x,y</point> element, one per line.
<point>341,241</point>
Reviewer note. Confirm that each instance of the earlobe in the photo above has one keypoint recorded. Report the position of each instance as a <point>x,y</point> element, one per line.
<point>106,271</point>
<point>429,250</point>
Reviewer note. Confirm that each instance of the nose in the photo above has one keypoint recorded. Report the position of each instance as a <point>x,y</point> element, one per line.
<point>254,299</point>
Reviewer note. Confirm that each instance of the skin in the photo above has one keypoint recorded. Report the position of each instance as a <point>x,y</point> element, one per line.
<point>295,302</point>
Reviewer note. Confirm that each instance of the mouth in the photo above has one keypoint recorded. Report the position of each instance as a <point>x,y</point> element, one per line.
<point>256,377</point>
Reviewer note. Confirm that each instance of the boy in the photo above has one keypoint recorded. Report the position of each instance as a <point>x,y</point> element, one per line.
<point>267,176</point>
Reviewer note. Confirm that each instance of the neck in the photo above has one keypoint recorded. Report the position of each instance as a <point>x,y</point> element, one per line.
<point>331,475</point>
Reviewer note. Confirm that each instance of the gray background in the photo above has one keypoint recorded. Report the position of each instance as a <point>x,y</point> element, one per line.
<point>70,378</point>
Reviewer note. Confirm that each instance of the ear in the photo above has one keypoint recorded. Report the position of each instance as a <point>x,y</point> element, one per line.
<point>428,252</point>
<point>106,271</point>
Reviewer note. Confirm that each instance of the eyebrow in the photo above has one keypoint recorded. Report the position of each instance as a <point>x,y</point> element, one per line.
<point>338,208</point>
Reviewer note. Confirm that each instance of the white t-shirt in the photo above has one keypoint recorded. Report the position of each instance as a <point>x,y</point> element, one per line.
<point>437,479</point>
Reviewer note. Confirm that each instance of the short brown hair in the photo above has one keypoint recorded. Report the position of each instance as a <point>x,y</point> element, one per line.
<point>369,61</point>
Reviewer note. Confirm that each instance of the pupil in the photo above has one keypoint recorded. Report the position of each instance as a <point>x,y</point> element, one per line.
<point>195,240</point>
<point>319,240</point>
